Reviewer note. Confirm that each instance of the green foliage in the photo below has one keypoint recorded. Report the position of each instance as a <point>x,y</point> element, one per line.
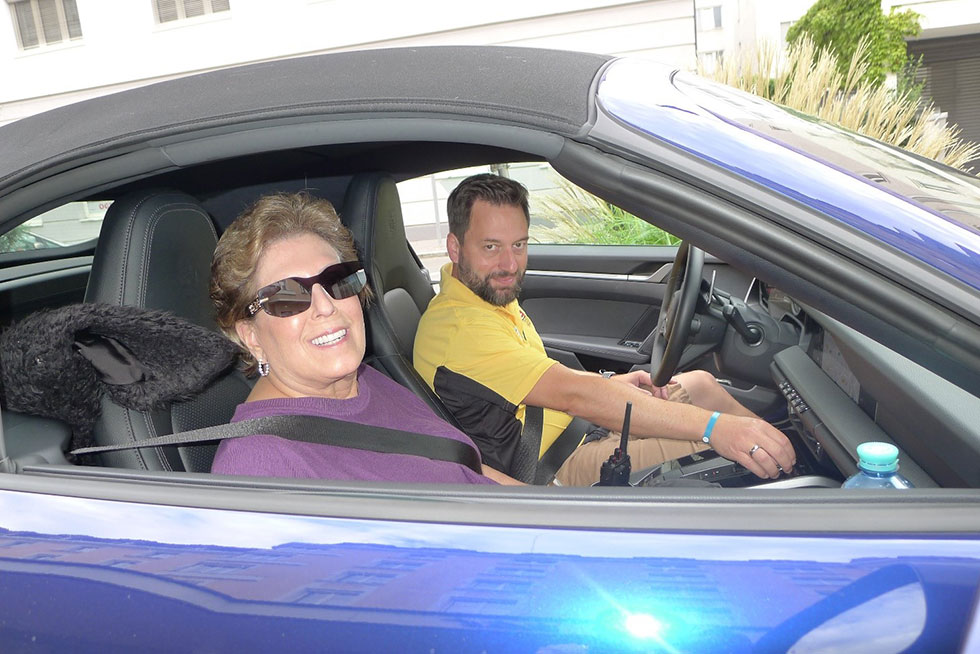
<point>840,25</point>
<point>16,239</point>
<point>577,216</point>
<point>907,86</point>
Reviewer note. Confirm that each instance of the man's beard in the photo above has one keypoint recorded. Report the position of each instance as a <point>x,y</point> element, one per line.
<point>481,285</point>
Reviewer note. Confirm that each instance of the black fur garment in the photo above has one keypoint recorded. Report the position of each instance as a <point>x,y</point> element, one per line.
<point>59,363</point>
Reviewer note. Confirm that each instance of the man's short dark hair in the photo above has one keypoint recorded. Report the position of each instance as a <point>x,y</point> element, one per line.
<point>494,189</point>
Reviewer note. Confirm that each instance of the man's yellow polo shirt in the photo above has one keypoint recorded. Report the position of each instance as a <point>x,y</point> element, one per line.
<point>482,360</point>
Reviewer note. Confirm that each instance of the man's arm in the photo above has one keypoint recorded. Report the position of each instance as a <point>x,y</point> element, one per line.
<point>603,401</point>
<point>500,477</point>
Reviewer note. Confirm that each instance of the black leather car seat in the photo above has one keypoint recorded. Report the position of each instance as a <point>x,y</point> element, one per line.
<point>155,252</point>
<point>372,210</point>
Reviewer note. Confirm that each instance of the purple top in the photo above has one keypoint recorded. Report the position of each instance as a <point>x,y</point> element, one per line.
<point>380,402</point>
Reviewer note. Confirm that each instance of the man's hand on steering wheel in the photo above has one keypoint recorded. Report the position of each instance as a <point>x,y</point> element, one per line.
<point>641,380</point>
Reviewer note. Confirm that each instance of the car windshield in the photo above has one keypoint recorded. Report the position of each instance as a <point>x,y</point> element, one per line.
<point>927,211</point>
<point>946,190</point>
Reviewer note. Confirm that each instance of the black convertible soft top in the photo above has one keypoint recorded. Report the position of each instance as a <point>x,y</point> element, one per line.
<point>547,89</point>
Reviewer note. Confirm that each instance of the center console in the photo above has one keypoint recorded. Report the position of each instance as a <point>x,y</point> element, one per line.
<point>708,468</point>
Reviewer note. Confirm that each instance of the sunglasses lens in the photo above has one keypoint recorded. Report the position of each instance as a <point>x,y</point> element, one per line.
<point>292,296</point>
<point>347,287</point>
<point>286,298</point>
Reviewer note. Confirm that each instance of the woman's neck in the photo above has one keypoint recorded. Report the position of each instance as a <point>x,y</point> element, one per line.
<point>272,388</point>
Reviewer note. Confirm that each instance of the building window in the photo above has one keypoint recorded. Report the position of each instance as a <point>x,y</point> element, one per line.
<point>784,29</point>
<point>710,61</point>
<point>502,585</point>
<point>366,578</point>
<point>45,22</point>
<point>389,564</point>
<point>216,570</point>
<point>709,18</point>
<point>327,596</point>
<point>480,605</point>
<point>170,10</point>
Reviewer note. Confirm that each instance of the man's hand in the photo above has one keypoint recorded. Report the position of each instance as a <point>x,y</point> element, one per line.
<point>641,379</point>
<point>736,438</point>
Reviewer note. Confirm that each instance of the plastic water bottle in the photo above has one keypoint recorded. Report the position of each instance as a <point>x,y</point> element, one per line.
<point>877,468</point>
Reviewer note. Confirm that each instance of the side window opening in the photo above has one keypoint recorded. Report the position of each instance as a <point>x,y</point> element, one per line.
<point>561,212</point>
<point>64,226</point>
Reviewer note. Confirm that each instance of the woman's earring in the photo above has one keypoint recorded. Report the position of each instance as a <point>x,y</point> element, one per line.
<point>263,368</point>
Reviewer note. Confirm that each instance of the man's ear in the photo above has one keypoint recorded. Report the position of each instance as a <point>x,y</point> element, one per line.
<point>452,247</point>
<point>246,332</point>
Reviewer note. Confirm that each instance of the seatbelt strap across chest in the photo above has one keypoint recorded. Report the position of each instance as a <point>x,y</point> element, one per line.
<point>323,431</point>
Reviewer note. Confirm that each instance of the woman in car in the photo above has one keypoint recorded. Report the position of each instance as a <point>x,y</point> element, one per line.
<point>288,290</point>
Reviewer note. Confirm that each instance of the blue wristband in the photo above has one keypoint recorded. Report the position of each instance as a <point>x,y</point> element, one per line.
<point>711,425</point>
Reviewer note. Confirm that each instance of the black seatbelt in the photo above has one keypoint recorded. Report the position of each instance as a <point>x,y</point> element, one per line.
<point>324,431</point>
<point>561,449</point>
<point>525,464</point>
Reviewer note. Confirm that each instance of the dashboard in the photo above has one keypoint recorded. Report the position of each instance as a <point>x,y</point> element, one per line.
<point>843,388</point>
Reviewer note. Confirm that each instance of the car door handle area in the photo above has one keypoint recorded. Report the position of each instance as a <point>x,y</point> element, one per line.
<point>657,277</point>
<point>606,348</point>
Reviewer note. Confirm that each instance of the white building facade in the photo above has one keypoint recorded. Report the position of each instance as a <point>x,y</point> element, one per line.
<point>54,52</point>
<point>99,46</point>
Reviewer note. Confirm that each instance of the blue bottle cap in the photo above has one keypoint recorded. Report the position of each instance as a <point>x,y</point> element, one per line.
<point>878,457</point>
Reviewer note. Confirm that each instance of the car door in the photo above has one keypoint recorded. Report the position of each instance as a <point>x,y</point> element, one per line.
<point>595,305</point>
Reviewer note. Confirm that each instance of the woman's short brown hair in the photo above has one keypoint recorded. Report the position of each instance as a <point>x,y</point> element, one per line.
<point>271,219</point>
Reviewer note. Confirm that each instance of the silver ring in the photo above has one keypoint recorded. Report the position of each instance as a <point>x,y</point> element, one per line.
<point>752,451</point>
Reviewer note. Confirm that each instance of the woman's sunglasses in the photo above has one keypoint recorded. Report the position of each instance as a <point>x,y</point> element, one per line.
<point>293,295</point>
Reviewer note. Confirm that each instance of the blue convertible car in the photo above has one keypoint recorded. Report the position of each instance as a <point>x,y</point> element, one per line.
<point>832,282</point>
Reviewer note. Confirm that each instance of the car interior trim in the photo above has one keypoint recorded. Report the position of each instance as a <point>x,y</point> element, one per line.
<point>847,425</point>
<point>85,180</point>
<point>931,335</point>
<point>264,138</point>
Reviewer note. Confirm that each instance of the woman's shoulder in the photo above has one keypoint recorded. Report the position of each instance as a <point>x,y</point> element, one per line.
<point>259,454</point>
<point>377,381</point>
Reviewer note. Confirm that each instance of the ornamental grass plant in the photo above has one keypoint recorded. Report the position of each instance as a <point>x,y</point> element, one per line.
<point>809,81</point>
<point>572,215</point>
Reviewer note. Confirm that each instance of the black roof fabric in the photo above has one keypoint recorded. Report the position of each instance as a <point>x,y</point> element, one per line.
<point>547,89</point>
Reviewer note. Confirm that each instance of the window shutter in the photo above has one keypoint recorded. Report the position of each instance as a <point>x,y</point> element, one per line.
<point>166,10</point>
<point>50,24</point>
<point>71,19</point>
<point>193,8</point>
<point>25,25</point>
<point>952,80</point>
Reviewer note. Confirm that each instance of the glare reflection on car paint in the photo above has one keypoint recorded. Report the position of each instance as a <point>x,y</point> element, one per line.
<point>643,626</point>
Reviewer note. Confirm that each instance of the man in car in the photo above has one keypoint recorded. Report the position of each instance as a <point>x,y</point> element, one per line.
<point>481,354</point>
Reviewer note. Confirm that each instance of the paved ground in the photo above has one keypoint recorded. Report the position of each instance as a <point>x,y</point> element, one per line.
<point>433,255</point>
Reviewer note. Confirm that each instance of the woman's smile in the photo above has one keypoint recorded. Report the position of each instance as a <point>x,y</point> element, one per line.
<point>330,338</point>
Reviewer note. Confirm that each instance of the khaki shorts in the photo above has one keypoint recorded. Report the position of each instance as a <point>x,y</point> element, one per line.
<point>582,467</point>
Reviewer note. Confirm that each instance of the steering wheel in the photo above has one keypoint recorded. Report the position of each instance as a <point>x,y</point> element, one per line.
<point>676,313</point>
